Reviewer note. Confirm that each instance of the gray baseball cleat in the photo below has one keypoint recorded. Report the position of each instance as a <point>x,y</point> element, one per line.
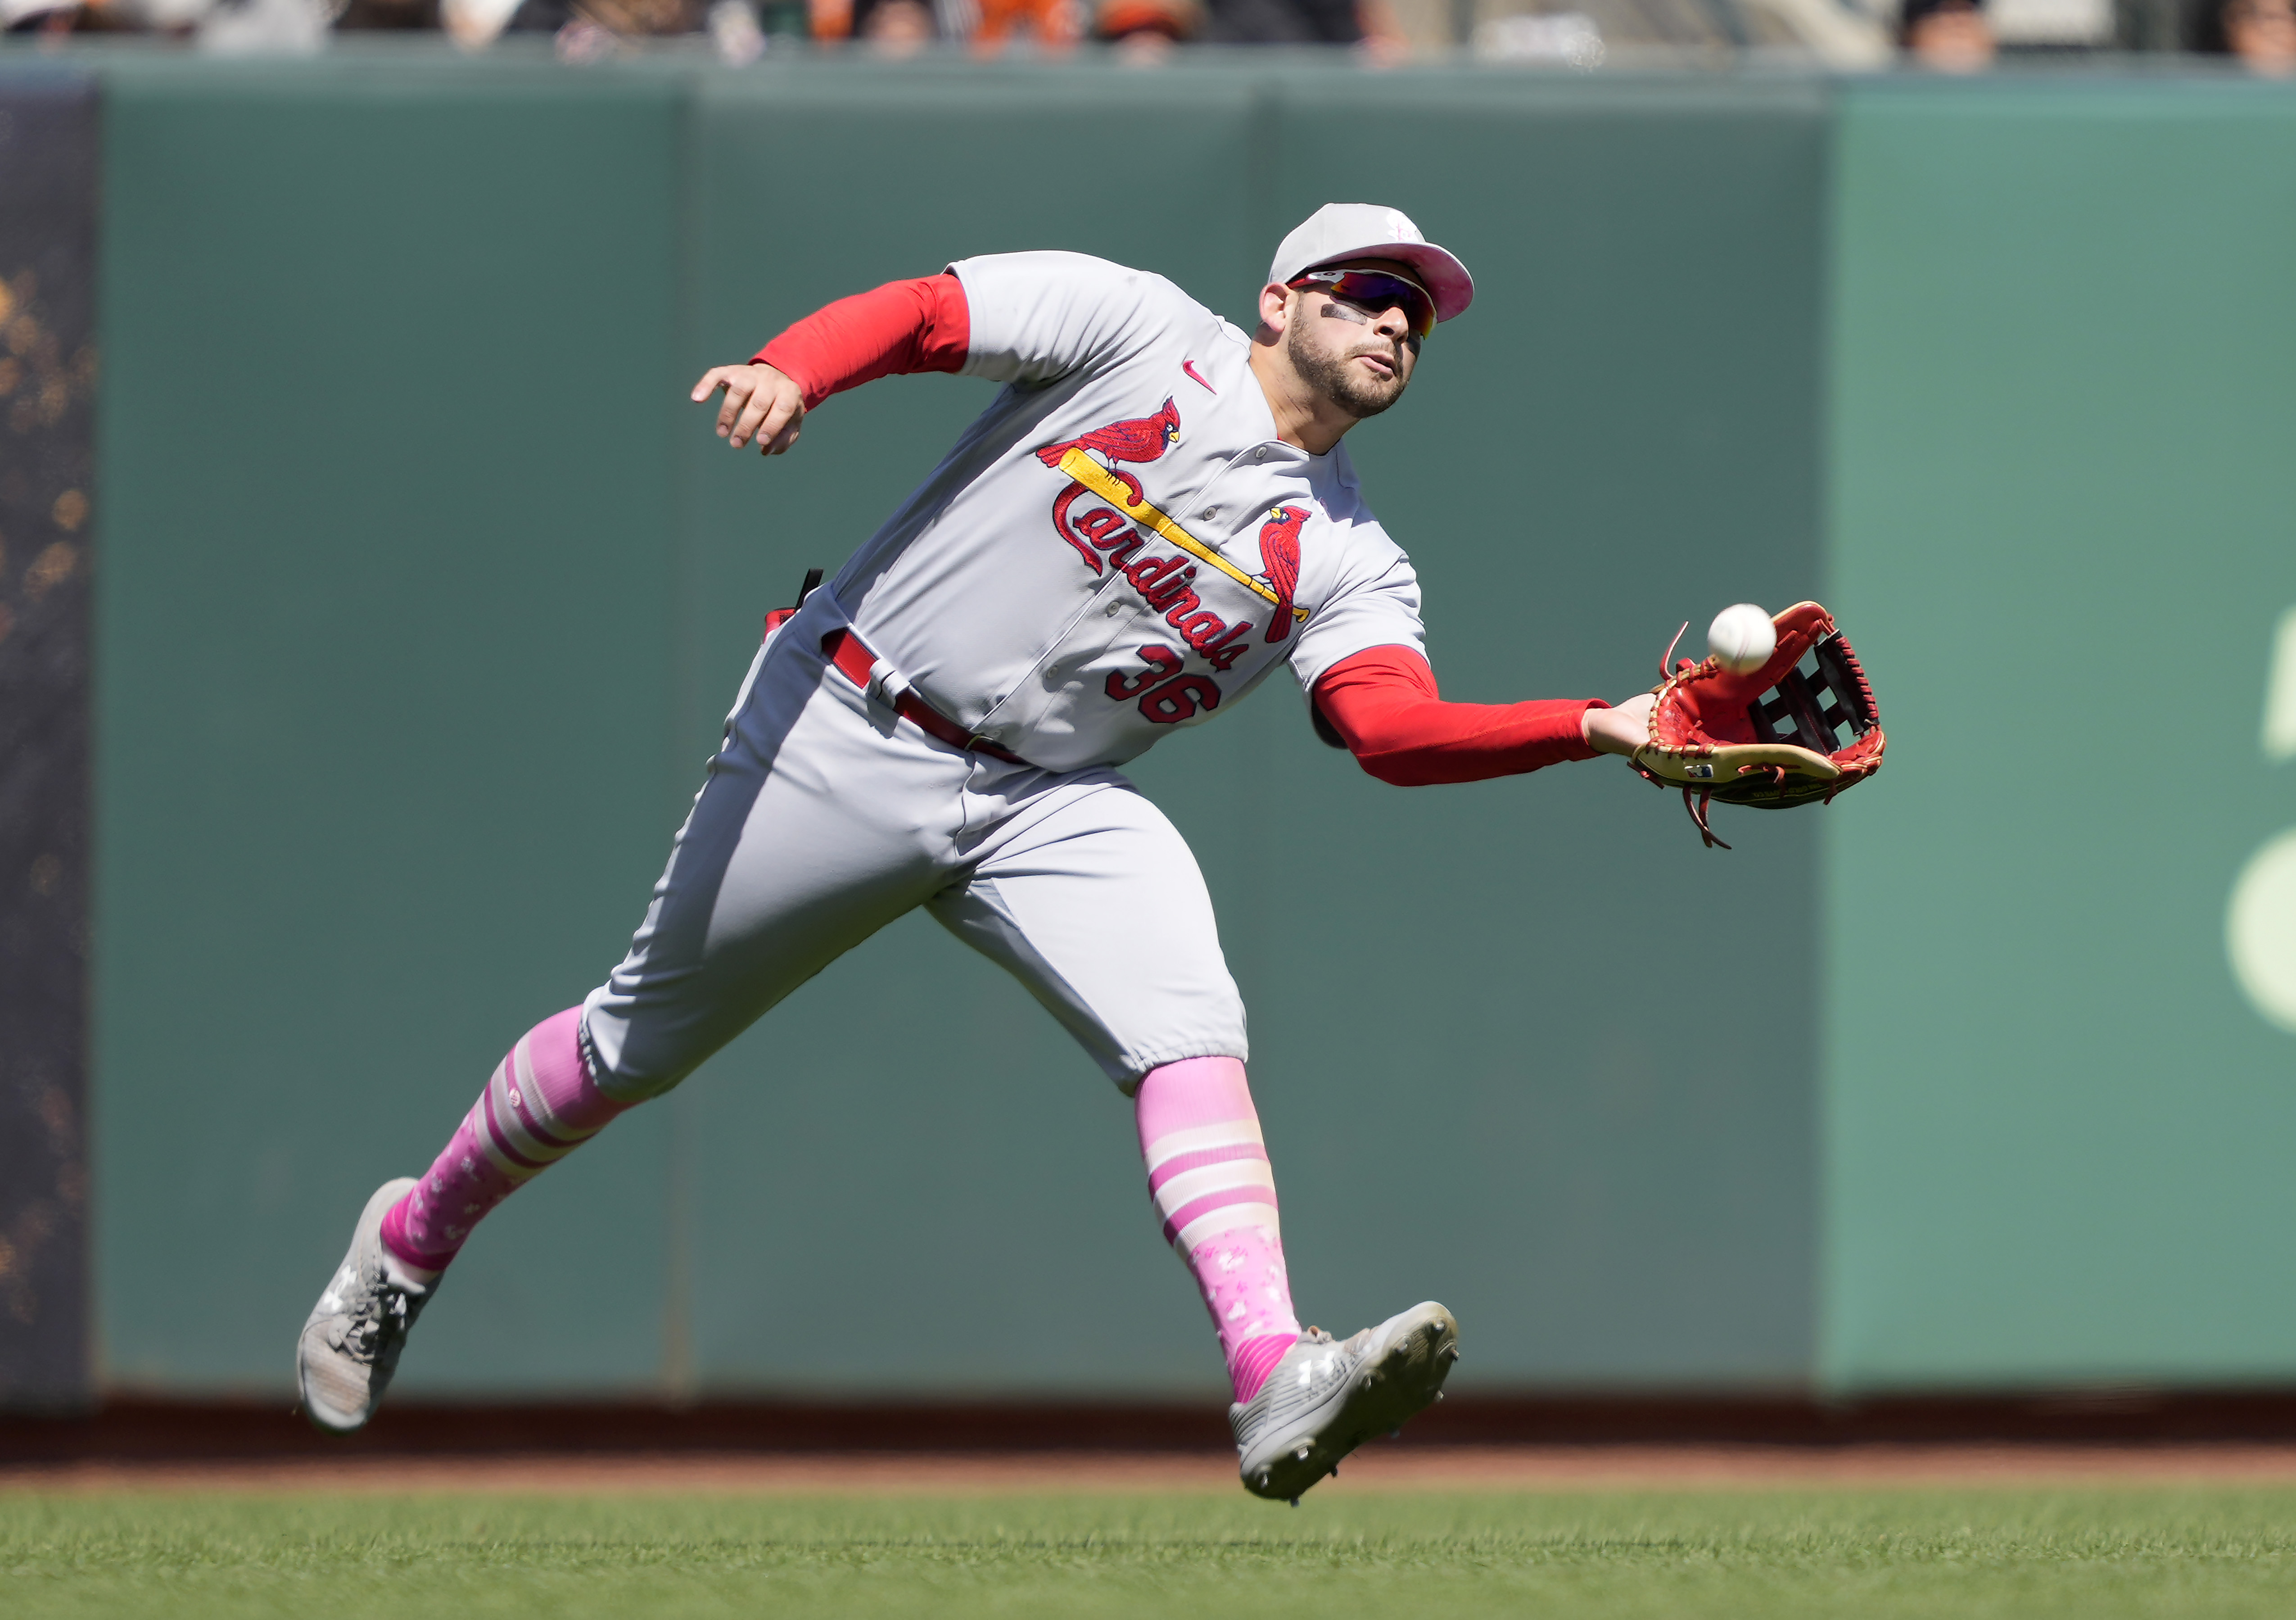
<point>350,1346</point>
<point>1327,1396</point>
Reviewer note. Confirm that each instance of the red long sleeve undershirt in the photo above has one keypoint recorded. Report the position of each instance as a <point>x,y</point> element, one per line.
<point>900,328</point>
<point>1384,701</point>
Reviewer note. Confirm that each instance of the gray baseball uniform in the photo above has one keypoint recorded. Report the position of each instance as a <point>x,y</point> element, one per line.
<point>1119,546</point>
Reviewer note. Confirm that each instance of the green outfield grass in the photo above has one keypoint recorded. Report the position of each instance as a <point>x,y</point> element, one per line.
<point>2092,1553</point>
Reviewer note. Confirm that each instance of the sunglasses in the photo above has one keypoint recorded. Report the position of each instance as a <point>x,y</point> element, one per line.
<point>1375,291</point>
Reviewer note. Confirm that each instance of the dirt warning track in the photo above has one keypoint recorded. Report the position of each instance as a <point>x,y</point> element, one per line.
<point>1544,1469</point>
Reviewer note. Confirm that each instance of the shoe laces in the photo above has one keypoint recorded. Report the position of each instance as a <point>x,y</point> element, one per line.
<point>380,1316</point>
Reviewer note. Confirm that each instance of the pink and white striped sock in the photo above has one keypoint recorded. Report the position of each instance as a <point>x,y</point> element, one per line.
<point>540,1106</point>
<point>1208,1178</point>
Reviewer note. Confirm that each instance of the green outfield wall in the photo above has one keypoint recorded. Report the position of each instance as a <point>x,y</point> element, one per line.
<point>423,592</point>
<point>2057,1126</point>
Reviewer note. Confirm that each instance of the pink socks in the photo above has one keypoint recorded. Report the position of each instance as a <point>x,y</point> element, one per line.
<point>1208,1178</point>
<point>540,1106</point>
<point>1208,1175</point>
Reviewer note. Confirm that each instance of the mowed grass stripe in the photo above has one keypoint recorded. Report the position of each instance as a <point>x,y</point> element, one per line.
<point>2193,1552</point>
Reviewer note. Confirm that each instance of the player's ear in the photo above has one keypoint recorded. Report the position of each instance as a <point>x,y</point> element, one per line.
<point>1275,306</point>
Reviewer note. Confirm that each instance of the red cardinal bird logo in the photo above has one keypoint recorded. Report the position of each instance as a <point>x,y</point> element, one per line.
<point>1142,438</point>
<point>1279,559</point>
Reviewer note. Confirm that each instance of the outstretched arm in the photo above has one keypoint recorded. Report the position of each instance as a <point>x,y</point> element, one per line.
<point>901,327</point>
<point>1384,703</point>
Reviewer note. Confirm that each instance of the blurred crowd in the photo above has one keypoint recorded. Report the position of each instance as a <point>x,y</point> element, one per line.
<point>1960,36</point>
<point>741,30</point>
<point>1943,36</point>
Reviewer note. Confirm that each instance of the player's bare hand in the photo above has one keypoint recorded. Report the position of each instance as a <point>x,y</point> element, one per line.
<point>1619,730</point>
<point>761,404</point>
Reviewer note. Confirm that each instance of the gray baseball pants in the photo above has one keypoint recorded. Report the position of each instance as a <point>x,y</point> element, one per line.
<point>825,816</point>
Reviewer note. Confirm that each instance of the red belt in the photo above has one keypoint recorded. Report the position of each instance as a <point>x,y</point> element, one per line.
<point>856,662</point>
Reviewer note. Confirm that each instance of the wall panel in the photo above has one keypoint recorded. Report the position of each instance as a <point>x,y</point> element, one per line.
<point>2056,1128</point>
<point>384,686</point>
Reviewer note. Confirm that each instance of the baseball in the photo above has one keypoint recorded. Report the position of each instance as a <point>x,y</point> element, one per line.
<point>1742,637</point>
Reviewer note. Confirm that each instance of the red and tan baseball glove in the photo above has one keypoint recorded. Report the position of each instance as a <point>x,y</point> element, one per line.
<point>1801,728</point>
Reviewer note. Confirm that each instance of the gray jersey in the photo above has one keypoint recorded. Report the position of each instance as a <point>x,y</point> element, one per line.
<point>1119,545</point>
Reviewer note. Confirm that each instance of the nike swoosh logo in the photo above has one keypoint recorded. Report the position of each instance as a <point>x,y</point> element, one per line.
<point>1190,367</point>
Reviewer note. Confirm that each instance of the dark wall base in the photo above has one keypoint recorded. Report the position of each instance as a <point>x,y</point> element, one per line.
<point>48,137</point>
<point>133,1430</point>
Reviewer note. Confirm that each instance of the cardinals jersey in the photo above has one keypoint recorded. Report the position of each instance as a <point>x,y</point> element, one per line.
<point>1119,546</point>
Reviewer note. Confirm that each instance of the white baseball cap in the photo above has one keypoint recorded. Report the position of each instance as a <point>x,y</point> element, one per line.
<point>1364,230</point>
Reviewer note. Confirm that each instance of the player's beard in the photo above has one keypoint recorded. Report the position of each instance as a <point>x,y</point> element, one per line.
<point>1329,375</point>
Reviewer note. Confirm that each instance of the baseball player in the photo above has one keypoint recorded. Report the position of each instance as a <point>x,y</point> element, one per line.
<point>1154,516</point>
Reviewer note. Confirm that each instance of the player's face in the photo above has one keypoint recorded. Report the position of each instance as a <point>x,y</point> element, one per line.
<point>1358,357</point>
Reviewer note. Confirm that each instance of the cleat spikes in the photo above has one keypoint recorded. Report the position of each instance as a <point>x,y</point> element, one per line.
<point>1327,1395</point>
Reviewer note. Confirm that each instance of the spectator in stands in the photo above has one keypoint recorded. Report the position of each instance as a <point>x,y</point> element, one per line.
<point>1051,24</point>
<point>1285,22</point>
<point>894,28</point>
<point>2262,33</point>
<point>389,16</point>
<point>1145,31</point>
<point>54,19</point>
<point>890,28</point>
<point>585,28</point>
<point>1948,36</point>
<point>1369,24</point>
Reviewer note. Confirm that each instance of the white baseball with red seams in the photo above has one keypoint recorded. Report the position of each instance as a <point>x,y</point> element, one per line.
<point>1742,638</point>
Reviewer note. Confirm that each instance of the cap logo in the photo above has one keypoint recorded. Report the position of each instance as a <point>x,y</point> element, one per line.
<point>1400,228</point>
